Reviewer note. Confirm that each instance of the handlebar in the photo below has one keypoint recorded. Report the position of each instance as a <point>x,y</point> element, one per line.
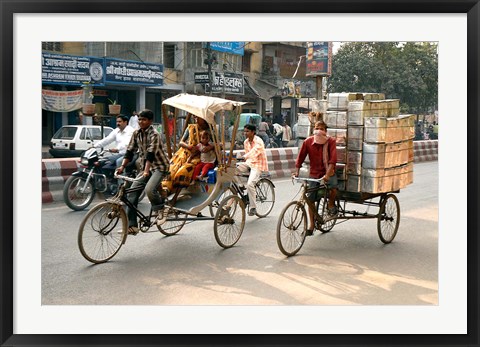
<point>320,180</point>
<point>126,178</point>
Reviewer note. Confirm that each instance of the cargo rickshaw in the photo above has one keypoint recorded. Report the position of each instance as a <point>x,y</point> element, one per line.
<point>292,223</point>
<point>104,229</point>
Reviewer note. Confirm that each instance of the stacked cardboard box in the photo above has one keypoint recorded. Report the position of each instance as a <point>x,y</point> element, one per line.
<point>374,142</point>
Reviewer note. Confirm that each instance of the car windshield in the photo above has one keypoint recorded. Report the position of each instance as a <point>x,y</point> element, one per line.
<point>65,133</point>
<point>94,133</point>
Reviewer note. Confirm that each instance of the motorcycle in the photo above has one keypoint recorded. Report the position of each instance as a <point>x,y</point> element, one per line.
<point>94,175</point>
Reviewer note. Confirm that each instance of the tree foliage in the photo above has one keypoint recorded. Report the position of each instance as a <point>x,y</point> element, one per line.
<point>407,71</point>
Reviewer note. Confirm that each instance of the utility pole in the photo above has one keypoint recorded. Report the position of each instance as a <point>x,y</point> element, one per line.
<point>319,81</point>
<point>209,63</point>
<point>224,68</point>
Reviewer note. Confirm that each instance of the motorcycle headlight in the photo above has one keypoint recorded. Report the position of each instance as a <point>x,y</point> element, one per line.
<point>84,161</point>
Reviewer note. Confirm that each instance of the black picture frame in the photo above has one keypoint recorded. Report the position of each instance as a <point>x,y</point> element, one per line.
<point>10,7</point>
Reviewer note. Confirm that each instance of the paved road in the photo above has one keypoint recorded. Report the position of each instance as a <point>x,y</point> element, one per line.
<point>348,266</point>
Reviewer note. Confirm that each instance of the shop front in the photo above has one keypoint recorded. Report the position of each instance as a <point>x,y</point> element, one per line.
<point>70,81</point>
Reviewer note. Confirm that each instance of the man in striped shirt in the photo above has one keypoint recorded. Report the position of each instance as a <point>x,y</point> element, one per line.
<point>154,164</point>
<point>255,162</point>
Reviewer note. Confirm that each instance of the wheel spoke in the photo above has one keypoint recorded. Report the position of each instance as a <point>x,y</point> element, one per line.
<point>229,221</point>
<point>389,218</point>
<point>291,229</point>
<point>98,238</point>
<point>265,197</point>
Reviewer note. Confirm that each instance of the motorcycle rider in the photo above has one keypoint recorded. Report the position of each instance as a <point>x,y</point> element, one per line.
<point>121,135</point>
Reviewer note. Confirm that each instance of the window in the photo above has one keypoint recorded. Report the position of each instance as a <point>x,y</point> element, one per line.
<point>169,55</point>
<point>195,55</point>
<point>52,46</point>
<point>90,134</point>
<point>246,60</point>
<point>65,133</point>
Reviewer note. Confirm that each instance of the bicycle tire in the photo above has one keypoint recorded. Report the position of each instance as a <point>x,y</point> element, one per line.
<point>99,238</point>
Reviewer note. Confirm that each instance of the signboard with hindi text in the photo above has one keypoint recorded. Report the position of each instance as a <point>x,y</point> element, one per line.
<point>62,101</point>
<point>133,72</point>
<point>71,70</point>
<point>228,82</point>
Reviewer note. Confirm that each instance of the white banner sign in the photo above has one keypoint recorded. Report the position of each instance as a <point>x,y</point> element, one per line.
<point>58,101</point>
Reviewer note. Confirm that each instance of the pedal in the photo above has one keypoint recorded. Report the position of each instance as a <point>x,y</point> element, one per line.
<point>162,217</point>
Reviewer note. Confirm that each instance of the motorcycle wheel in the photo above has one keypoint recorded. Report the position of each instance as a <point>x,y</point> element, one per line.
<point>72,195</point>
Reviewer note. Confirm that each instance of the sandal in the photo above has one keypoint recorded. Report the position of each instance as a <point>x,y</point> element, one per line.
<point>132,230</point>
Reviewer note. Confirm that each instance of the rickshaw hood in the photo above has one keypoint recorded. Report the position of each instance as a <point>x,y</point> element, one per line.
<point>201,106</point>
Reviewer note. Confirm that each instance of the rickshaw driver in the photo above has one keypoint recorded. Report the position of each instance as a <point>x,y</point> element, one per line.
<point>255,162</point>
<point>153,161</point>
<point>322,151</point>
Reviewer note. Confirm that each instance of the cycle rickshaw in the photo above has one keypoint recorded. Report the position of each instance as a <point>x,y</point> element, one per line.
<point>104,229</point>
<point>292,223</point>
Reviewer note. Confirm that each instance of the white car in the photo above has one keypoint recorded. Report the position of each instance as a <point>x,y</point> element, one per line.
<point>73,140</point>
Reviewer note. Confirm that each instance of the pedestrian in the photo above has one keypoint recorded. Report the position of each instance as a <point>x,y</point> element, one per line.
<point>278,132</point>
<point>170,125</point>
<point>153,163</point>
<point>230,131</point>
<point>263,131</point>
<point>322,153</point>
<point>133,121</point>
<point>294,133</point>
<point>286,134</point>
<point>255,163</point>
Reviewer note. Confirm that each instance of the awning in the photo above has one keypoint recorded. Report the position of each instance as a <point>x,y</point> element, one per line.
<point>265,90</point>
<point>249,89</point>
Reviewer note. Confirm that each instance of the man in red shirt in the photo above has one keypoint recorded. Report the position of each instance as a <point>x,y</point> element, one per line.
<point>322,152</point>
<point>170,124</point>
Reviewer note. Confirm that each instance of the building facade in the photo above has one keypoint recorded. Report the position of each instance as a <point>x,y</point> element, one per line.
<point>269,76</point>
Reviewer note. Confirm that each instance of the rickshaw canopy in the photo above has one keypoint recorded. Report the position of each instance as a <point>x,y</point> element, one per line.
<point>202,106</point>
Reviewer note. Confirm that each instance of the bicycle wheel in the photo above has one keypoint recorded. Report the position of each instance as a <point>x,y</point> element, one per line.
<point>171,227</point>
<point>291,228</point>
<point>265,197</point>
<point>229,221</point>
<point>102,232</point>
<point>327,221</point>
<point>388,218</point>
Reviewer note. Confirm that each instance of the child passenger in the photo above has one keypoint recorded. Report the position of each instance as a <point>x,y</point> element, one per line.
<point>207,156</point>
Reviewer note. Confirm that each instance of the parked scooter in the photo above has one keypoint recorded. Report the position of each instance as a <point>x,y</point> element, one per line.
<point>95,174</point>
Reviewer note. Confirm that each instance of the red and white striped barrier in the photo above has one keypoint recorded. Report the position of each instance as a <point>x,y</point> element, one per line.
<point>281,163</point>
<point>425,150</point>
<point>54,174</point>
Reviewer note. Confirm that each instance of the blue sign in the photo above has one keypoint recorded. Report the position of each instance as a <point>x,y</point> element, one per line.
<point>72,70</point>
<point>228,47</point>
<point>133,72</point>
